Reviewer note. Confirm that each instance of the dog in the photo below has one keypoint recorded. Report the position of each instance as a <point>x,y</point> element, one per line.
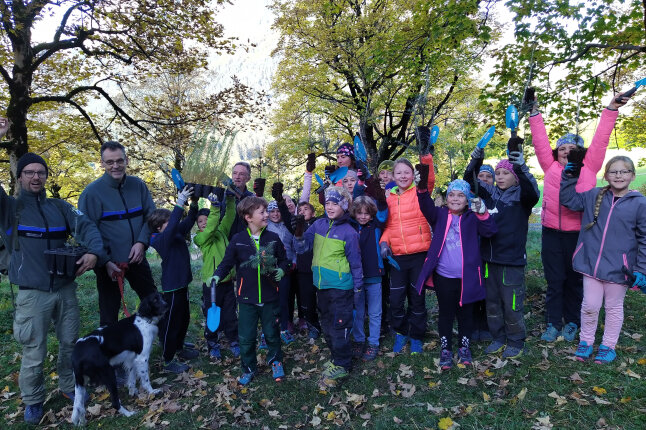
<point>126,343</point>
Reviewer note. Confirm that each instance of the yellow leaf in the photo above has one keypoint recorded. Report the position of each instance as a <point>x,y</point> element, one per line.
<point>445,423</point>
<point>432,384</point>
<point>521,395</point>
<point>641,361</point>
<point>488,373</point>
<point>244,390</point>
<point>633,374</point>
<point>461,366</point>
<point>6,389</point>
<point>53,375</point>
<point>103,396</point>
<point>199,374</point>
<point>486,397</point>
<point>625,399</point>
<point>330,416</point>
<point>599,390</point>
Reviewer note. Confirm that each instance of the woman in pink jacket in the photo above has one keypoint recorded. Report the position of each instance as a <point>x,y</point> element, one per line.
<point>561,225</point>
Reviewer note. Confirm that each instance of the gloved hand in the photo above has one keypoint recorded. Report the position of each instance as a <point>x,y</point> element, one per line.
<point>232,190</point>
<point>259,186</point>
<point>477,153</point>
<point>374,190</point>
<point>362,171</point>
<point>640,281</point>
<point>478,206</point>
<point>423,138</point>
<point>213,198</point>
<point>421,176</point>
<point>184,195</point>
<point>279,274</point>
<point>311,162</point>
<point>298,225</point>
<point>385,250</point>
<point>277,191</point>
<point>516,157</point>
<point>215,279</point>
<point>575,162</point>
<point>329,169</point>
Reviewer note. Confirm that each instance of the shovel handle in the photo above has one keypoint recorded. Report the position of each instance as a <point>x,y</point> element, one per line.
<point>212,293</point>
<point>628,93</point>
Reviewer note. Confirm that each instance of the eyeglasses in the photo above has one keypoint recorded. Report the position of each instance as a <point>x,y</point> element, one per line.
<point>619,172</point>
<point>110,163</point>
<point>42,174</point>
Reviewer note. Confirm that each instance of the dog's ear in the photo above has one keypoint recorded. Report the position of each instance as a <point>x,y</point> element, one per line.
<point>145,307</point>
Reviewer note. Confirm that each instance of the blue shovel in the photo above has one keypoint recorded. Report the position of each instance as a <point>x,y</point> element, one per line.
<point>511,118</point>
<point>435,133</point>
<point>213,314</point>
<point>177,179</point>
<point>630,92</point>
<point>338,174</point>
<point>393,263</point>
<point>487,137</point>
<point>359,149</point>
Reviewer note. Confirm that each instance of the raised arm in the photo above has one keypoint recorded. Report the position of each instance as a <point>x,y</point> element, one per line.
<point>597,151</point>
<point>188,222</point>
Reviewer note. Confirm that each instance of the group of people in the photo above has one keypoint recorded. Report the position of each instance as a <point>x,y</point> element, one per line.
<point>368,260</point>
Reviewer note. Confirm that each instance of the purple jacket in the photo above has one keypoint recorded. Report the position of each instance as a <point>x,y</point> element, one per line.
<point>471,225</point>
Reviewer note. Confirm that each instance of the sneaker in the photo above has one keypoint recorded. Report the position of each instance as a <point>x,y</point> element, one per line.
<point>464,356</point>
<point>286,336</point>
<point>357,349</point>
<point>415,346</point>
<point>175,367</point>
<point>335,372</point>
<point>245,378</point>
<point>512,352</point>
<point>400,343</point>
<point>313,332</point>
<point>446,359</point>
<point>494,347</point>
<point>605,355</point>
<point>214,352</point>
<point>188,354</point>
<point>277,371</point>
<point>583,351</point>
<point>263,342</point>
<point>550,334</point>
<point>235,349</point>
<point>370,352</point>
<point>569,331</point>
<point>34,413</point>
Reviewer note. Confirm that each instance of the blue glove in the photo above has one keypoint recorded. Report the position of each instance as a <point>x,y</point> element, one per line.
<point>640,281</point>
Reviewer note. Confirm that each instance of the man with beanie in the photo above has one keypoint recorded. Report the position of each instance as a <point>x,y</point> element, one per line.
<point>36,224</point>
<point>119,205</point>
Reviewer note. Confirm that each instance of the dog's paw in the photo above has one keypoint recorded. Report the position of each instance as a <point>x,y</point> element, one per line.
<point>125,412</point>
<point>133,391</point>
<point>78,418</point>
<point>155,391</point>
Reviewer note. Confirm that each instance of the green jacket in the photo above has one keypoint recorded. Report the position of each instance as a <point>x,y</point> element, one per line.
<point>213,240</point>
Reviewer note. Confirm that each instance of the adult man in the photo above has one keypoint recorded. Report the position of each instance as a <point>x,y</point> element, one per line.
<point>240,175</point>
<point>119,205</point>
<point>35,224</point>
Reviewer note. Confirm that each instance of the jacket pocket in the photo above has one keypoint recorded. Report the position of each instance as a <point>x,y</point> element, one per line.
<point>513,276</point>
<point>23,329</point>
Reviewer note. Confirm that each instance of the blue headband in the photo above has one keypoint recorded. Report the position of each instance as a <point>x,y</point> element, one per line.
<point>570,138</point>
<point>336,197</point>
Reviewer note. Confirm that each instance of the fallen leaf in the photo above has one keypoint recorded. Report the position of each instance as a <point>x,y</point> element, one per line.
<point>599,390</point>
<point>521,395</point>
<point>405,371</point>
<point>445,423</point>
<point>408,390</point>
<point>486,397</point>
<point>379,406</point>
<point>625,399</point>
<point>274,414</point>
<point>397,420</point>
<point>330,416</point>
<point>199,375</point>
<point>637,336</point>
<point>632,374</point>
<point>600,401</point>
<point>95,410</point>
<point>488,373</point>
<point>642,361</point>
<point>560,400</point>
<point>316,421</point>
<point>432,384</point>
<point>542,423</point>
<point>601,422</point>
<point>576,378</point>
<point>365,416</point>
<point>435,410</point>
<point>463,381</point>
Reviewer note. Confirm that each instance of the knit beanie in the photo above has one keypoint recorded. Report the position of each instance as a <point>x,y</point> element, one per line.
<point>273,205</point>
<point>203,212</point>
<point>339,196</point>
<point>351,174</point>
<point>487,168</point>
<point>506,164</point>
<point>461,186</point>
<point>570,138</point>
<point>29,158</point>
<point>386,165</point>
<point>346,149</point>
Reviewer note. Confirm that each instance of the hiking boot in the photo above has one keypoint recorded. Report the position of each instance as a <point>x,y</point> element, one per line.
<point>400,343</point>
<point>605,355</point>
<point>34,413</point>
<point>550,334</point>
<point>335,372</point>
<point>494,347</point>
<point>569,331</point>
<point>512,352</point>
<point>235,349</point>
<point>371,352</point>
<point>188,354</point>
<point>313,332</point>
<point>287,337</point>
<point>175,367</point>
<point>464,356</point>
<point>245,378</point>
<point>415,346</point>
<point>583,351</point>
<point>277,371</point>
<point>446,359</point>
<point>357,349</point>
<point>263,343</point>
<point>214,352</point>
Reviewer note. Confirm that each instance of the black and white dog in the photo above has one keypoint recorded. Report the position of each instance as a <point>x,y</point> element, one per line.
<point>126,343</point>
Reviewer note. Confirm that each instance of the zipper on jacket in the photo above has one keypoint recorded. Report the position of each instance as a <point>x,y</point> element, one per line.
<point>325,240</point>
<point>401,227</point>
<point>603,237</point>
<point>132,231</point>
<point>49,246</point>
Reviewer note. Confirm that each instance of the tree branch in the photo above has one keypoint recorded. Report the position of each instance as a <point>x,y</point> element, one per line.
<point>589,46</point>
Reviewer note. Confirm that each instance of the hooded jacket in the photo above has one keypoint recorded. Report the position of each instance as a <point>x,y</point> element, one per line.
<point>119,209</point>
<point>42,224</point>
<point>554,214</point>
<point>617,239</point>
<point>214,239</point>
<point>369,236</point>
<point>285,237</point>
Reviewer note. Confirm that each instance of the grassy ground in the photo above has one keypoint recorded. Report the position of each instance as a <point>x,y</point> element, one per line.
<point>543,389</point>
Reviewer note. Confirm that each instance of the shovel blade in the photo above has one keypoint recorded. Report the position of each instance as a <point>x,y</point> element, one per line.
<point>338,174</point>
<point>359,149</point>
<point>511,117</point>
<point>487,137</point>
<point>177,179</point>
<point>435,133</point>
<point>213,318</point>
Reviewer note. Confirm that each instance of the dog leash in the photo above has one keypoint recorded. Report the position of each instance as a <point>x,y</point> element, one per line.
<point>119,278</point>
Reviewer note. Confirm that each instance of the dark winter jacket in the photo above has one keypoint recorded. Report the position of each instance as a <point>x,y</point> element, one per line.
<point>254,270</point>
<point>617,239</point>
<point>173,250</point>
<point>239,224</point>
<point>471,226</point>
<point>119,210</point>
<point>510,210</point>
<point>42,224</point>
<point>369,235</point>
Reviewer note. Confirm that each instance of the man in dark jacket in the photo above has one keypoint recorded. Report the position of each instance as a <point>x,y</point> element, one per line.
<point>35,224</point>
<point>119,205</point>
<point>240,175</point>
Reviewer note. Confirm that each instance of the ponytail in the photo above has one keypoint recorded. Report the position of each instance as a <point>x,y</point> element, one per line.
<point>597,206</point>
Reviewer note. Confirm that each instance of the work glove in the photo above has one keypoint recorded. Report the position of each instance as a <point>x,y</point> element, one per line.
<point>515,144</point>
<point>259,186</point>
<point>374,190</point>
<point>278,275</point>
<point>423,138</point>
<point>311,162</point>
<point>421,176</point>
<point>385,250</point>
<point>277,191</point>
<point>477,153</point>
<point>184,195</point>
<point>329,169</point>
<point>362,171</point>
<point>575,162</point>
<point>214,278</point>
<point>640,281</point>
<point>298,225</point>
<point>478,206</point>
<point>516,157</point>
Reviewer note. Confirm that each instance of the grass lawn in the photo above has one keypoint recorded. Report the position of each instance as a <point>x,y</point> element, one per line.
<point>543,389</point>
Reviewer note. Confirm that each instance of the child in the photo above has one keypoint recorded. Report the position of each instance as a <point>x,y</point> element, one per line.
<point>336,265</point>
<point>510,203</point>
<point>170,243</point>
<point>212,241</point>
<point>259,258</point>
<point>369,221</point>
<point>613,236</point>
<point>561,226</point>
<point>304,273</point>
<point>455,264</point>
<point>385,172</point>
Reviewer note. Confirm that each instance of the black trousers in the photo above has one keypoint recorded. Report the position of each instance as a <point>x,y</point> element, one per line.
<point>140,279</point>
<point>224,298</point>
<point>295,296</point>
<point>412,321</point>
<point>564,285</point>
<point>173,327</point>
<point>480,316</point>
<point>448,291</point>
<point>505,303</point>
<point>336,308</point>
<point>307,292</point>
<point>385,299</point>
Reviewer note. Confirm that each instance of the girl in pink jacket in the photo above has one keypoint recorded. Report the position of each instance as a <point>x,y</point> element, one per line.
<point>561,225</point>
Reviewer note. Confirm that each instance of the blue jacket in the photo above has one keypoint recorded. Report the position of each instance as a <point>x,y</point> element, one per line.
<point>173,250</point>
<point>369,235</point>
<point>471,226</point>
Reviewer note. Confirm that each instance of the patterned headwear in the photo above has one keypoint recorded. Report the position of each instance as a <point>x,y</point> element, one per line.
<point>352,173</point>
<point>487,168</point>
<point>333,195</point>
<point>346,149</point>
<point>506,164</point>
<point>386,165</point>
<point>570,138</point>
<point>273,205</point>
<point>461,186</point>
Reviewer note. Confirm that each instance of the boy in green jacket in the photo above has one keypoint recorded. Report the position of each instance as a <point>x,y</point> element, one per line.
<point>212,241</point>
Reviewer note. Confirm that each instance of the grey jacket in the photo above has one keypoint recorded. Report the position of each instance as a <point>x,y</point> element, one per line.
<point>617,239</point>
<point>285,236</point>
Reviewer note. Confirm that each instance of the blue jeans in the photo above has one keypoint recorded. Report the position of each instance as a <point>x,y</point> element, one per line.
<point>369,296</point>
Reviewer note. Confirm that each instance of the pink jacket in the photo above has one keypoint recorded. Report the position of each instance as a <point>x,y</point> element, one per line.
<point>555,215</point>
